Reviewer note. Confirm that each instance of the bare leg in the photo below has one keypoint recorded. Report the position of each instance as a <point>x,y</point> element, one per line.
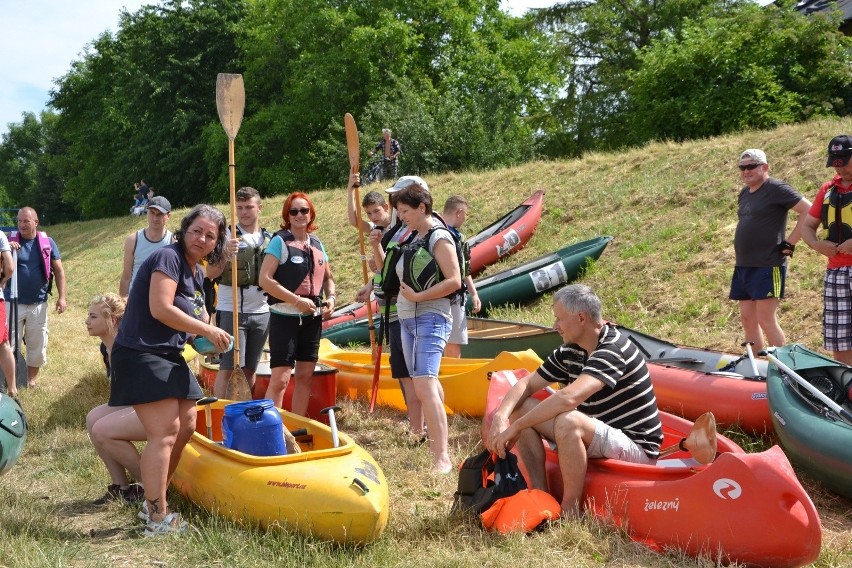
<point>278,381</point>
<point>844,357</point>
<point>302,389</point>
<point>767,317</point>
<point>161,420</point>
<point>187,413</point>
<point>452,350</point>
<point>112,430</point>
<point>7,363</point>
<point>750,322</point>
<point>426,390</point>
<point>32,376</point>
<point>573,433</point>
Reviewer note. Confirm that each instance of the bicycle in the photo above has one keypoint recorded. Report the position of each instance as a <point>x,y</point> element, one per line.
<point>373,173</point>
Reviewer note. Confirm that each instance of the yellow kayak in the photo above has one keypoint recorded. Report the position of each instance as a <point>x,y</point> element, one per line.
<point>337,494</point>
<point>465,381</point>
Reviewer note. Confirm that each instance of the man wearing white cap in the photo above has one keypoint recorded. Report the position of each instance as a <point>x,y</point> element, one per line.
<point>762,249</point>
<point>140,244</point>
<point>832,209</point>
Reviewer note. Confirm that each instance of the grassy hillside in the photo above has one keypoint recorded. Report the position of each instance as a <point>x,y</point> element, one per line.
<point>672,211</point>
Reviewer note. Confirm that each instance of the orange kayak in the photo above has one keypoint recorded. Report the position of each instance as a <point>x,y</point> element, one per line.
<point>741,508</point>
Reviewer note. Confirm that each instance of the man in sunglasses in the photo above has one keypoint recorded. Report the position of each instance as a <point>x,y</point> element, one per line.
<point>832,209</point>
<point>762,248</point>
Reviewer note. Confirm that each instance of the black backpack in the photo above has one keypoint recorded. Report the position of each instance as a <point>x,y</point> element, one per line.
<point>485,478</point>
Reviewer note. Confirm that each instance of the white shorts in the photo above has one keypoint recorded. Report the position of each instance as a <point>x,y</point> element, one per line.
<point>458,335</point>
<point>32,321</point>
<point>612,443</point>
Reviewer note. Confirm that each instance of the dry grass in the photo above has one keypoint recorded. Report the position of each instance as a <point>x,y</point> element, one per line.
<point>671,208</point>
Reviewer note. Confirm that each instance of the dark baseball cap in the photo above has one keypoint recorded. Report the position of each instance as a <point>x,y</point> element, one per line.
<point>160,203</point>
<point>839,151</point>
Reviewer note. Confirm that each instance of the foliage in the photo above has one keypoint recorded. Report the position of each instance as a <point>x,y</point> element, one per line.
<point>137,103</point>
<point>31,156</point>
<point>749,68</point>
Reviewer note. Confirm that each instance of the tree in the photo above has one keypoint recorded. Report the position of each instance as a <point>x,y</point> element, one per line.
<point>138,103</point>
<point>750,68</point>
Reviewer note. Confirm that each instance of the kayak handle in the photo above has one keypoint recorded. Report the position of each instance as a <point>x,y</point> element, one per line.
<point>361,485</point>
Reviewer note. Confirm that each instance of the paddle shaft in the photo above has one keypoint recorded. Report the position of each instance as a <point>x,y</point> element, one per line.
<point>842,412</point>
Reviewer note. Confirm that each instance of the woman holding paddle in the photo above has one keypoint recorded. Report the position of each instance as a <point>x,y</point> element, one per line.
<point>297,276</point>
<point>165,308</point>
<point>424,316</point>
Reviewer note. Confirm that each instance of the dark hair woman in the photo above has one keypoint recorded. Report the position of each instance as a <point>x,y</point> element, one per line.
<point>164,310</point>
<point>297,276</point>
<point>425,317</point>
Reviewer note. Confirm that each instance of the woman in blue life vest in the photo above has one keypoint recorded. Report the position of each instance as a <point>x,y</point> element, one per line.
<point>164,309</point>
<point>296,275</point>
<point>425,316</point>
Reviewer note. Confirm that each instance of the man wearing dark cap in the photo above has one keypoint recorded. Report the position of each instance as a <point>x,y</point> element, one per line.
<point>831,213</point>
<point>761,247</point>
<point>140,244</point>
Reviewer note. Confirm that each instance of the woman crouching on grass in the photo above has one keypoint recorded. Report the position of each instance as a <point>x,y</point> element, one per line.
<point>113,429</point>
<point>165,308</point>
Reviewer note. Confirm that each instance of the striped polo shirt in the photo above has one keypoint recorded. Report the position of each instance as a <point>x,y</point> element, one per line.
<point>627,401</point>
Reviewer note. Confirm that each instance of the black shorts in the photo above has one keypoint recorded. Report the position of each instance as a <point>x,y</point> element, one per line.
<point>139,377</point>
<point>399,370</point>
<point>293,338</point>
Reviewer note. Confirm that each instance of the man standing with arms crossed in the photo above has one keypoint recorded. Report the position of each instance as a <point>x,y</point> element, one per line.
<point>761,248</point>
<point>253,308</point>
<point>39,263</point>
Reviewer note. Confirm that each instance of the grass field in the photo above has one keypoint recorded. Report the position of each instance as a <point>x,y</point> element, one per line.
<point>672,210</point>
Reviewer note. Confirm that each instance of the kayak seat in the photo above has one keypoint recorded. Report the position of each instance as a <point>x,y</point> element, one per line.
<point>678,462</point>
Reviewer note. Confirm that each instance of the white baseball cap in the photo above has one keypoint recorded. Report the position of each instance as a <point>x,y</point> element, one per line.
<point>754,154</point>
<point>405,181</point>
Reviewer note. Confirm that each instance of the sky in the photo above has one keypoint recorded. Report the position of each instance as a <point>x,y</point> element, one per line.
<point>40,38</point>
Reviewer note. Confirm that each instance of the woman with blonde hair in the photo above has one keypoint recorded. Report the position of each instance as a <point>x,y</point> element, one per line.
<point>113,429</point>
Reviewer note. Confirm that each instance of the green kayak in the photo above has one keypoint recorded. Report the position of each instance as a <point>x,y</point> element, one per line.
<point>517,285</point>
<point>815,431</point>
<point>13,432</point>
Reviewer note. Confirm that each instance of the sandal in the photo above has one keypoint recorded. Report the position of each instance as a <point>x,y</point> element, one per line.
<point>171,523</point>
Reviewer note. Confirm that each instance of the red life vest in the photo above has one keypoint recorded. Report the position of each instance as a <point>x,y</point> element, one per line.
<point>303,272</point>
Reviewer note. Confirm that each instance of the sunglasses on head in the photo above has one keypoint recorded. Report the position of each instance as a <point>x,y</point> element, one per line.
<point>303,211</point>
<point>749,167</point>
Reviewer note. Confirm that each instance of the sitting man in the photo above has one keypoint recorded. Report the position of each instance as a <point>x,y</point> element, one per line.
<point>607,408</point>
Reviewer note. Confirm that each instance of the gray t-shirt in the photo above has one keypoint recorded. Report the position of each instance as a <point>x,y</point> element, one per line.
<point>763,223</point>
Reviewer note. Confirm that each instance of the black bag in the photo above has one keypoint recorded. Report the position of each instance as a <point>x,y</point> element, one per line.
<point>483,479</point>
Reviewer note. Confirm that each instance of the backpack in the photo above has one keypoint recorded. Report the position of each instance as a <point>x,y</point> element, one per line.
<point>248,260</point>
<point>485,478</point>
<point>420,270</point>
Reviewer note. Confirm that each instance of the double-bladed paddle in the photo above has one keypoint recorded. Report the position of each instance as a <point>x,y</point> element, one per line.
<point>231,102</point>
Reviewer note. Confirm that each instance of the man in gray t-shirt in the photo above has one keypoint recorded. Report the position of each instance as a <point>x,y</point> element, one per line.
<point>761,248</point>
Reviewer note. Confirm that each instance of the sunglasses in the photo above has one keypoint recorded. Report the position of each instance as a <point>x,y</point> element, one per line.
<point>302,211</point>
<point>749,167</point>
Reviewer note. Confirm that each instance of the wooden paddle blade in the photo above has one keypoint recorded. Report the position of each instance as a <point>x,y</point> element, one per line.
<point>352,142</point>
<point>701,441</point>
<point>230,102</point>
<point>238,388</point>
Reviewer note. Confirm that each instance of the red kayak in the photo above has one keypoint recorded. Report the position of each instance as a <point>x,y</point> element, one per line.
<point>505,236</point>
<point>690,381</point>
<point>743,508</point>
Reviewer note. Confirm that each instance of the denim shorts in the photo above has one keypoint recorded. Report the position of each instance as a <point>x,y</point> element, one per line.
<point>610,442</point>
<point>423,340</point>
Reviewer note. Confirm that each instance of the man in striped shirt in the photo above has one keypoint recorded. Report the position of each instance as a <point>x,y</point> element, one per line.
<point>607,408</point>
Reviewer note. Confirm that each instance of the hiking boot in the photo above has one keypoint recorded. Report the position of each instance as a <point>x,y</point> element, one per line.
<point>171,524</point>
<point>112,494</point>
<point>133,493</point>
